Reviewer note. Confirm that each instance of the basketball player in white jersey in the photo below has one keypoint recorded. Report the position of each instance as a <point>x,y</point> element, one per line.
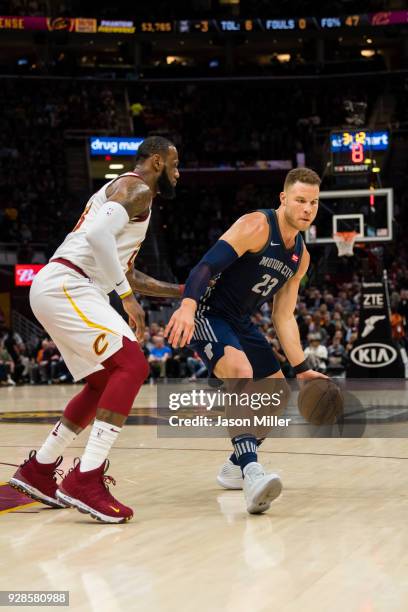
<point>69,298</point>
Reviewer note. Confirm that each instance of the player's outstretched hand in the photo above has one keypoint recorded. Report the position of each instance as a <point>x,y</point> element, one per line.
<point>136,316</point>
<point>180,328</point>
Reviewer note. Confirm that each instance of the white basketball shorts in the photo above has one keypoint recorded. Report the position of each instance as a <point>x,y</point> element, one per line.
<point>78,317</point>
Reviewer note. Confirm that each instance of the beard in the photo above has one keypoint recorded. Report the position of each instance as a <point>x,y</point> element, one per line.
<point>297,225</point>
<point>166,189</point>
<point>290,221</point>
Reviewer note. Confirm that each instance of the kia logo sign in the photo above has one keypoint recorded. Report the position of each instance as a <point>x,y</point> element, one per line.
<point>373,355</point>
<point>24,274</point>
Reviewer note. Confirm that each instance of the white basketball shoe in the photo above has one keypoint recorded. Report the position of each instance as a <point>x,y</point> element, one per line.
<point>230,476</point>
<point>260,489</point>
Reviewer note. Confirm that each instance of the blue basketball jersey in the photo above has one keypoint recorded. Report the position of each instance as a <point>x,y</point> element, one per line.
<point>253,278</point>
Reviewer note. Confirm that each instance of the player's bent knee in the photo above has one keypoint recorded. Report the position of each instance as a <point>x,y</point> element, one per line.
<point>130,361</point>
<point>235,371</point>
<point>233,364</point>
<point>96,382</point>
<point>127,369</point>
<point>242,372</point>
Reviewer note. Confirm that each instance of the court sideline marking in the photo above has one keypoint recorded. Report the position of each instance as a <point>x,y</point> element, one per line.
<point>215,450</point>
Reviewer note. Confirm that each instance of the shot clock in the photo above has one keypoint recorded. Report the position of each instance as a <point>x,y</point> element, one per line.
<point>358,151</point>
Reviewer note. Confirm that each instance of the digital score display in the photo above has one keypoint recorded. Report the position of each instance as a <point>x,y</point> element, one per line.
<point>225,26</point>
<point>156,26</point>
<point>358,151</point>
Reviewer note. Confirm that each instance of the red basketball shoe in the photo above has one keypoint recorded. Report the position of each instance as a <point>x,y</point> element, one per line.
<point>38,480</point>
<point>89,493</point>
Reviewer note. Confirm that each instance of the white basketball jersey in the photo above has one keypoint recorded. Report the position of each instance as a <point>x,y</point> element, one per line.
<point>77,250</point>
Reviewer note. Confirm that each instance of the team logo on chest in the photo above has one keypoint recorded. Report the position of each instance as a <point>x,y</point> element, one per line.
<point>277,265</point>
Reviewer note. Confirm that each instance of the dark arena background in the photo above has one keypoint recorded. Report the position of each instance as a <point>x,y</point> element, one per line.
<point>246,90</point>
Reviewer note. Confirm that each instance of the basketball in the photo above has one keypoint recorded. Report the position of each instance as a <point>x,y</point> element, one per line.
<point>320,402</point>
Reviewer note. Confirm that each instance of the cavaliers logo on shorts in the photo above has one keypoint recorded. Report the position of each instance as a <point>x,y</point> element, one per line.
<point>101,344</point>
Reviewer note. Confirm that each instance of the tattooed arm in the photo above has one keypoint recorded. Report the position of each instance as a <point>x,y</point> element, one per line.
<point>146,285</point>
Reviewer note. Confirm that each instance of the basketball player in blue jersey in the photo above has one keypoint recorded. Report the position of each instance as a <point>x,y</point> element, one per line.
<point>262,255</point>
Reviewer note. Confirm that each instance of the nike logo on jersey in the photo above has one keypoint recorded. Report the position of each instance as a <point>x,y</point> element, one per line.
<point>275,244</point>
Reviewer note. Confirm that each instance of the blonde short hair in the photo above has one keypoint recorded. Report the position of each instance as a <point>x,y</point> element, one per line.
<point>303,175</point>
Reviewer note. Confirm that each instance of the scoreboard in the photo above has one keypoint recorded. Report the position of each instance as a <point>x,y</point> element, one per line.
<point>358,151</point>
<point>91,25</point>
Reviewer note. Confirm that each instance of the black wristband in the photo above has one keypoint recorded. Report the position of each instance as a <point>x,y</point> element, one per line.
<point>301,367</point>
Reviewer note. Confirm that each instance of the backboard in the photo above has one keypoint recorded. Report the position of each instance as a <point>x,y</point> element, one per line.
<point>366,211</point>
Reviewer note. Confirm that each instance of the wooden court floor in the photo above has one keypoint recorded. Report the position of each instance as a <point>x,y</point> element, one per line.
<point>335,541</point>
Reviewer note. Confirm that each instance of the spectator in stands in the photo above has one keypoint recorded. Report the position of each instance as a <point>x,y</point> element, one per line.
<point>155,329</point>
<point>34,364</point>
<point>158,357</point>
<point>13,342</point>
<point>7,366</point>
<point>305,323</point>
<point>50,364</point>
<point>48,367</point>
<point>337,357</point>
<point>351,341</point>
<point>196,367</point>
<point>350,327</point>
<point>343,299</point>
<point>327,323</point>
<point>24,361</point>
<point>316,327</point>
<point>317,353</point>
<point>313,298</point>
<point>397,326</point>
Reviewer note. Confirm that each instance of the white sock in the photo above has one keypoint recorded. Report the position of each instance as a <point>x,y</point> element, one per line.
<point>55,444</point>
<point>101,440</point>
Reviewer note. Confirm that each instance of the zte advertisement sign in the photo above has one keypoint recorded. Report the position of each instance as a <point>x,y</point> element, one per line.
<point>24,274</point>
<point>109,145</point>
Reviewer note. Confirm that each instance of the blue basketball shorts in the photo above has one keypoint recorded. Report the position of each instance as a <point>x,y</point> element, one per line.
<point>212,334</point>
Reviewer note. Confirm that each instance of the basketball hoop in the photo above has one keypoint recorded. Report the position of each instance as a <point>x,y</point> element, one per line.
<point>345,242</point>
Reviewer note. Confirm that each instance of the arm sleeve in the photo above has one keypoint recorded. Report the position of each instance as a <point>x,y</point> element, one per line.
<point>110,219</point>
<point>217,259</point>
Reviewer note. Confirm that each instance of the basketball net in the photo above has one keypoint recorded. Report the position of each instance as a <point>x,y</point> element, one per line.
<point>345,242</point>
